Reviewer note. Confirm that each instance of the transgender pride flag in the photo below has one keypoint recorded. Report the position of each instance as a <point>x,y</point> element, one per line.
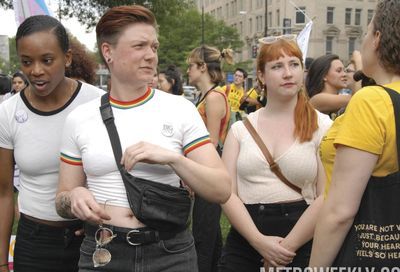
<point>26,8</point>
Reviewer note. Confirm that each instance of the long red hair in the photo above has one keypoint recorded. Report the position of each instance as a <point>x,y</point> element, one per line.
<point>305,116</point>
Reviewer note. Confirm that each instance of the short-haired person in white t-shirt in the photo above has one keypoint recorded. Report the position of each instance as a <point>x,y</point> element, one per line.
<point>163,139</point>
<point>31,122</point>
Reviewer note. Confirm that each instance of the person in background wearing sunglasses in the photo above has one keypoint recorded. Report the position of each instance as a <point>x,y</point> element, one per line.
<point>205,72</point>
<point>271,220</point>
<point>31,122</point>
<point>163,139</point>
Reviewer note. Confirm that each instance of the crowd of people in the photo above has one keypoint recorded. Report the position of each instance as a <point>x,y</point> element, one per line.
<point>304,164</point>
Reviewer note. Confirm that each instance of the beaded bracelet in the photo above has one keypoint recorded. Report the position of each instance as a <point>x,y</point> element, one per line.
<point>6,264</point>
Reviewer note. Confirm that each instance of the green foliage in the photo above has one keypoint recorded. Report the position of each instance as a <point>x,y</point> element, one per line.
<point>13,65</point>
<point>89,11</point>
<point>180,26</point>
<point>6,4</point>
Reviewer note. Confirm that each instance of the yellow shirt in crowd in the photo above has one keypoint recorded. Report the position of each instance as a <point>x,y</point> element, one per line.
<point>368,124</point>
<point>234,96</point>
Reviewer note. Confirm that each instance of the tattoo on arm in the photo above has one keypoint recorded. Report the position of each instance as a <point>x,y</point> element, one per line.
<point>63,206</point>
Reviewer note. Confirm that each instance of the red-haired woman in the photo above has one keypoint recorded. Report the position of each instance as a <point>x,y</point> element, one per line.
<point>270,220</point>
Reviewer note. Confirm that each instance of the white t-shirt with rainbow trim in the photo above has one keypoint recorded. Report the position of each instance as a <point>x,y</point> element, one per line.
<point>169,121</point>
<point>35,138</point>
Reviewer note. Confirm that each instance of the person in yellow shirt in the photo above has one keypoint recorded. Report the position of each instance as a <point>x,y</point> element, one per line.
<point>253,100</point>
<point>365,174</point>
<point>235,92</point>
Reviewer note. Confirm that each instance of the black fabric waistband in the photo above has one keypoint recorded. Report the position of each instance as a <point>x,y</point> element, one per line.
<point>66,225</point>
<point>277,208</point>
<point>134,237</point>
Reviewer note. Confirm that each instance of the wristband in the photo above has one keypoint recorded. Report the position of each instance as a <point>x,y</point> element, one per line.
<point>6,264</point>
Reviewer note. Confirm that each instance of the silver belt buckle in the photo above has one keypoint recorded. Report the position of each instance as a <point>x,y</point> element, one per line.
<point>128,238</point>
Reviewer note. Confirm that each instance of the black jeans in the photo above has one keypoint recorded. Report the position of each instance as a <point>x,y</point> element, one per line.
<point>176,254</point>
<point>270,219</point>
<point>207,234</point>
<point>42,248</point>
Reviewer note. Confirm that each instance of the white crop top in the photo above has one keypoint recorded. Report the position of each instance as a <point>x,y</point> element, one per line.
<point>256,183</point>
<point>166,120</point>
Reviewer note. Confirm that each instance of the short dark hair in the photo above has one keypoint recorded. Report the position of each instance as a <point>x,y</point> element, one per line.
<point>116,19</point>
<point>22,76</point>
<point>5,84</point>
<point>242,71</point>
<point>39,23</point>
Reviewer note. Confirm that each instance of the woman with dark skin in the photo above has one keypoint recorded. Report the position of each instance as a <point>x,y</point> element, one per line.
<point>30,127</point>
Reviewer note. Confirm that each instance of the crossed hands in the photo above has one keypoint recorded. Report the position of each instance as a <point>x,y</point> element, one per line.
<point>273,252</point>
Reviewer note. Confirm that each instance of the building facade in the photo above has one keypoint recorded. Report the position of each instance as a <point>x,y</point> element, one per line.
<point>338,25</point>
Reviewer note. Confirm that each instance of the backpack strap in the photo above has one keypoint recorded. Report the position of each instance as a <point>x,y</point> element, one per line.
<point>395,97</point>
<point>272,164</point>
<point>227,90</point>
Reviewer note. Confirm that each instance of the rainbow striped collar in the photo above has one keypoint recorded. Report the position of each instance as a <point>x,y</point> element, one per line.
<point>134,103</point>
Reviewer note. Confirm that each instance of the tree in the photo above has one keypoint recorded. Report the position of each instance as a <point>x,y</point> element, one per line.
<point>89,11</point>
<point>180,34</point>
<point>179,23</point>
<point>13,65</point>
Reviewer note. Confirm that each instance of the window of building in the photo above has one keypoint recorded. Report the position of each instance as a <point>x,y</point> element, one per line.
<point>278,18</point>
<point>240,28</point>
<point>347,19</point>
<point>269,19</point>
<point>328,45</point>
<point>227,10</point>
<point>250,26</point>
<point>357,18</point>
<point>329,15</point>
<point>241,5</point>
<point>370,15</point>
<point>232,9</point>
<point>352,46</point>
<point>300,18</point>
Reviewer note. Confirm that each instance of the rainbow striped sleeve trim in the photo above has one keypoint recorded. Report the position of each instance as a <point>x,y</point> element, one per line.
<point>70,160</point>
<point>196,143</point>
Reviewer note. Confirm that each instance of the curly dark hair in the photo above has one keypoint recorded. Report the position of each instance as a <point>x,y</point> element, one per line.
<point>387,20</point>
<point>83,65</point>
